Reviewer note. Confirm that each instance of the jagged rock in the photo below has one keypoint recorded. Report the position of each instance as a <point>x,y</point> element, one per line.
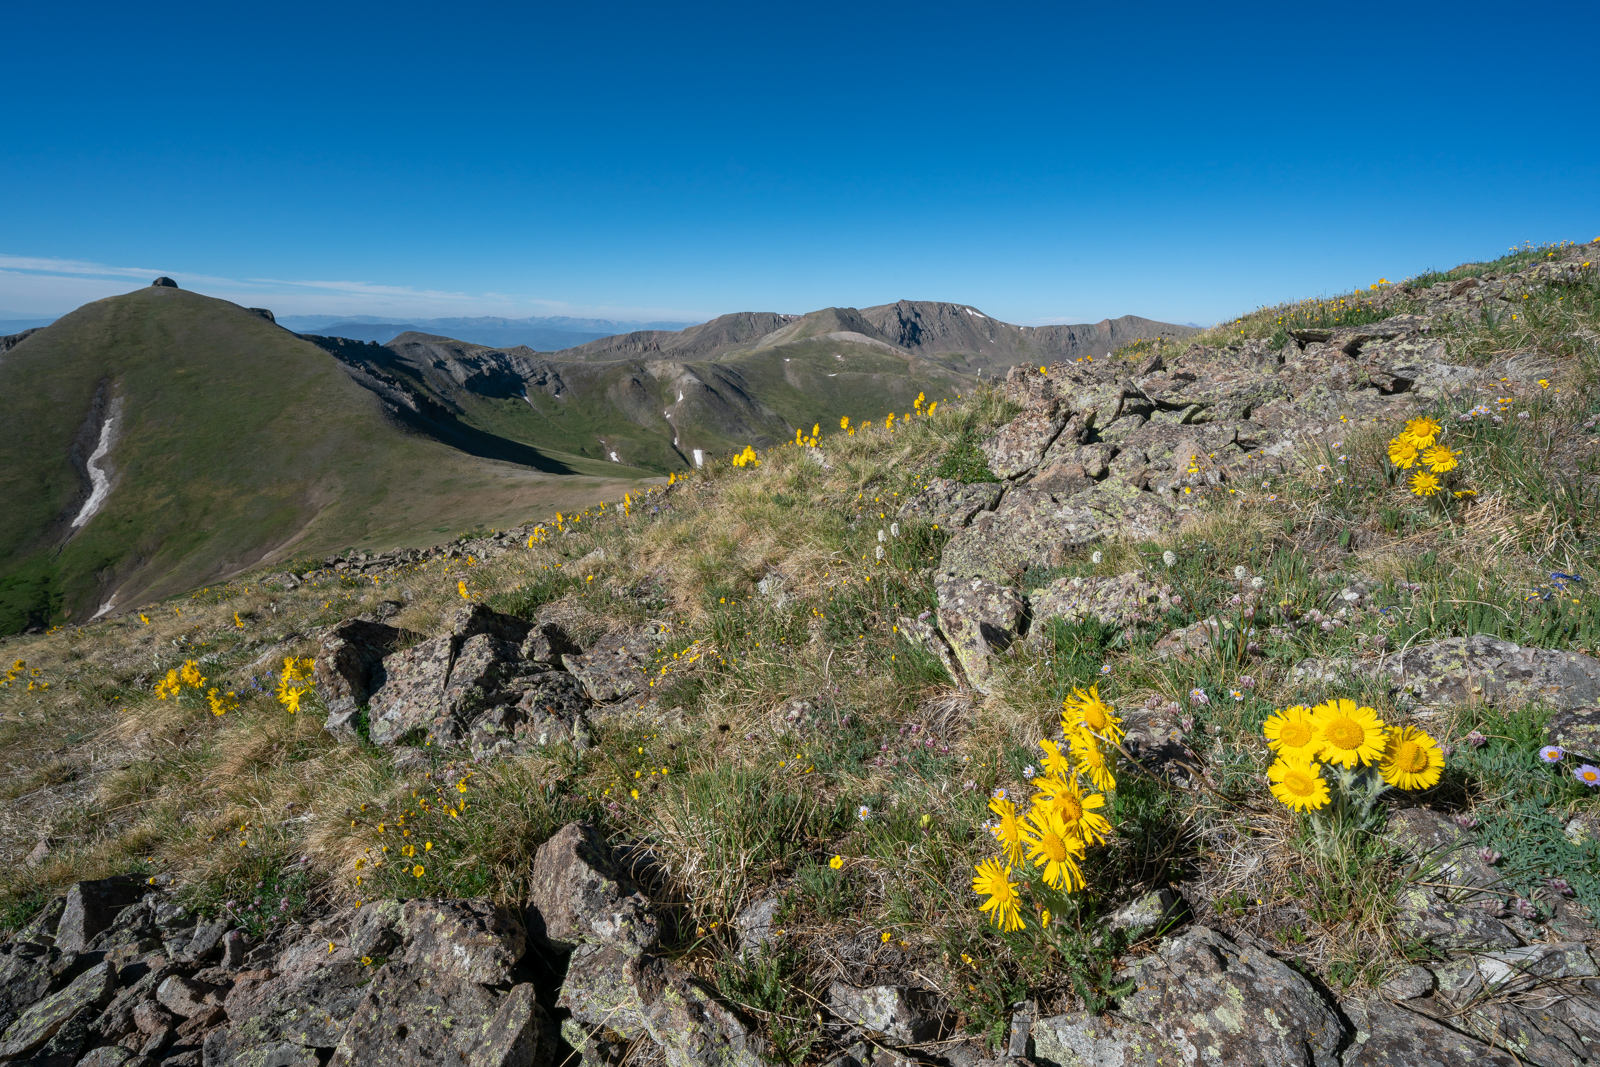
<point>27,972</point>
<point>473,940</point>
<point>546,643</point>
<point>922,633</point>
<point>1577,729</point>
<point>92,907</point>
<point>902,1015</point>
<point>64,1013</point>
<point>113,1056</point>
<point>1020,444</point>
<point>1477,669</point>
<point>614,668</point>
<point>1533,1034</point>
<point>442,683</point>
<point>1232,1006</point>
<point>183,997</point>
<point>980,619</point>
<point>349,667</point>
<point>950,504</point>
<point>413,1017</point>
<point>1509,970</point>
<point>1077,1039</point>
<point>578,894</point>
<point>755,922</point>
<point>1120,600</point>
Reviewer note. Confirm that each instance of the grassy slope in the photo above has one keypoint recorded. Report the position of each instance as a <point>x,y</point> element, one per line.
<point>237,441</point>
<point>756,804</point>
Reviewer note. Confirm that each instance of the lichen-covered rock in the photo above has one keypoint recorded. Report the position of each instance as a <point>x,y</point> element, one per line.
<point>473,940</point>
<point>1446,850</point>
<point>637,994</point>
<point>1530,1032</point>
<point>950,504</point>
<point>412,692</point>
<point>614,668</point>
<point>1228,1006</point>
<point>286,1019</point>
<point>980,619</point>
<point>902,1015</point>
<point>1576,729</point>
<point>1390,1036</point>
<point>79,1002</point>
<point>1018,446</point>
<point>349,666</point>
<point>1033,528</point>
<point>1421,915</point>
<point>1118,600</point>
<point>1477,670</point>
<point>1077,1039</point>
<point>27,972</point>
<point>414,1017</point>
<point>579,894</point>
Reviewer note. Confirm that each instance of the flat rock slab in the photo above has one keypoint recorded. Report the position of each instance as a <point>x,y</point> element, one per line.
<point>473,940</point>
<point>1477,670</point>
<point>84,996</point>
<point>615,667</point>
<point>286,1018</point>
<point>412,1016</point>
<point>1020,444</point>
<point>1120,600</point>
<point>950,504</point>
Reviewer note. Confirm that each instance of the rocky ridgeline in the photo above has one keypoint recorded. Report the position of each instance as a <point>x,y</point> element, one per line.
<point>117,974</point>
<point>1104,450</point>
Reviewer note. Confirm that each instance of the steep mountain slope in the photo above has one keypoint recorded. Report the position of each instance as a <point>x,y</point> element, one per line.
<point>651,412</point>
<point>206,439</point>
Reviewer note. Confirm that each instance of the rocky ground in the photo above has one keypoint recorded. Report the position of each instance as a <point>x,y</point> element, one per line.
<point>700,777</point>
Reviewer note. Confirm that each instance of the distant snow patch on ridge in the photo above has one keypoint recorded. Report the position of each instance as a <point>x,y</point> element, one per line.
<point>104,608</point>
<point>99,480</point>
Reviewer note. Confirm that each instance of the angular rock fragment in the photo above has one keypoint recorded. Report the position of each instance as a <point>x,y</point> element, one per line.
<point>579,894</point>
<point>79,1002</point>
<point>614,668</point>
<point>1020,444</point>
<point>950,504</point>
<point>1120,600</point>
<point>1478,669</point>
<point>980,619</point>
<point>473,940</point>
<point>902,1015</point>
<point>413,1017</point>
<point>349,667</point>
<point>92,907</point>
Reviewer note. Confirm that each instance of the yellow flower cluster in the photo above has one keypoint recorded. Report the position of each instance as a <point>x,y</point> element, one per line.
<point>1339,732</point>
<point>1418,445</point>
<point>1063,820</point>
<point>800,438</point>
<point>294,682</point>
<point>747,458</point>
<point>15,672</point>
<point>178,678</point>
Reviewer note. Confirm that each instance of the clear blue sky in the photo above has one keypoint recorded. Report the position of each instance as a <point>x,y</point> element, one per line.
<point>1055,162</point>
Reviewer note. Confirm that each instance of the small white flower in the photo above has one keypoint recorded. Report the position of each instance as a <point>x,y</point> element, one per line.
<point>1029,771</point>
<point>1105,668</point>
<point>1257,582</point>
<point>863,813</point>
<point>1240,574</point>
<point>1097,556</point>
<point>1169,557</point>
<point>894,529</point>
<point>999,792</point>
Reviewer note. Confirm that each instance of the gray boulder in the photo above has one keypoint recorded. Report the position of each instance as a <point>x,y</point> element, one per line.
<point>1576,729</point>
<point>92,907</point>
<point>902,1015</point>
<point>950,504</point>
<point>61,1019</point>
<point>1020,444</point>
<point>285,1019</point>
<point>578,894</point>
<point>349,667</point>
<point>1120,600</point>
<point>472,940</point>
<point>614,668</point>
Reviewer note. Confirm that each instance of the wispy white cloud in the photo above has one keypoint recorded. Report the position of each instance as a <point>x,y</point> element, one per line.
<point>35,286</point>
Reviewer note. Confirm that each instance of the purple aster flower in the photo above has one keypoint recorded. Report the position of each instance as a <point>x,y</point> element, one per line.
<point>1588,774</point>
<point>1551,753</point>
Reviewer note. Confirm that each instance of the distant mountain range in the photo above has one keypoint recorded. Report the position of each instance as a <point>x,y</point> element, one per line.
<point>163,439</point>
<point>543,334</point>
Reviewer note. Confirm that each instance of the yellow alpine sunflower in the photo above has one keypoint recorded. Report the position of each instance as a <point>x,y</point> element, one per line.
<point>1087,711</point>
<point>1425,484</point>
<point>1062,798</point>
<point>1004,905</point>
<point>1053,846</point>
<point>1056,762</point>
<point>1350,735</point>
<point>1292,733</point>
<point>1298,783</point>
<point>1423,432</point>
<point>1413,759</point>
<point>1403,452</point>
<point>1009,830</point>
<point>1440,460</point>
<point>1094,761</point>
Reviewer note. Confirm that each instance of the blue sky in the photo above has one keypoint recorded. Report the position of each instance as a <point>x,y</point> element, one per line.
<point>1045,163</point>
